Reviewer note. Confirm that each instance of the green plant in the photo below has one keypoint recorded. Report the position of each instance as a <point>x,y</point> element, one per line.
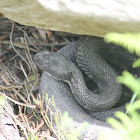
<point>32,136</point>
<point>68,129</point>
<point>62,126</point>
<point>129,127</point>
<point>2,101</point>
<point>65,124</point>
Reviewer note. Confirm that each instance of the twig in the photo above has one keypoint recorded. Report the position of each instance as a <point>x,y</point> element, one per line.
<point>22,45</point>
<point>19,103</point>
<point>17,122</point>
<point>11,34</point>
<point>9,87</point>
<point>27,37</point>
<point>19,45</point>
<point>33,66</point>
<point>14,90</point>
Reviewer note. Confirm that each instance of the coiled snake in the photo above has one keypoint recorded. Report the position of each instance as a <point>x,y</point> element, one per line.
<point>101,62</point>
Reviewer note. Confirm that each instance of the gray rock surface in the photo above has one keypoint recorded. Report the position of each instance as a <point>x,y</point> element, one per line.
<point>89,17</point>
<point>8,128</point>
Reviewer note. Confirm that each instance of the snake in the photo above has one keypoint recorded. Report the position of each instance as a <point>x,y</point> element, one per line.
<point>89,59</point>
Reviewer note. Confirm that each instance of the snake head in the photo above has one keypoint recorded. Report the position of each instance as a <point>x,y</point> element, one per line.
<point>54,64</point>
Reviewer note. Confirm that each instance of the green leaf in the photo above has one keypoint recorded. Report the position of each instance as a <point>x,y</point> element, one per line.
<point>66,121</point>
<point>67,124</point>
<point>125,119</point>
<point>131,102</point>
<point>136,63</point>
<point>129,41</point>
<point>129,124</point>
<point>130,81</point>
<point>2,100</point>
<point>115,124</point>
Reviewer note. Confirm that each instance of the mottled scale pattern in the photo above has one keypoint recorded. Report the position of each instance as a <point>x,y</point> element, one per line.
<point>102,63</point>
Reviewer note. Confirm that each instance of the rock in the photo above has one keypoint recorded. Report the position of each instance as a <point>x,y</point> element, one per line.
<point>89,17</point>
<point>8,128</point>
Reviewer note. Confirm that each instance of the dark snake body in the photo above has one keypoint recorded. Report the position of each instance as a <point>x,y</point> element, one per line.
<point>96,59</point>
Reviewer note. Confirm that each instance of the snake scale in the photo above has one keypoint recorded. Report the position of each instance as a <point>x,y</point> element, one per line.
<point>102,63</point>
